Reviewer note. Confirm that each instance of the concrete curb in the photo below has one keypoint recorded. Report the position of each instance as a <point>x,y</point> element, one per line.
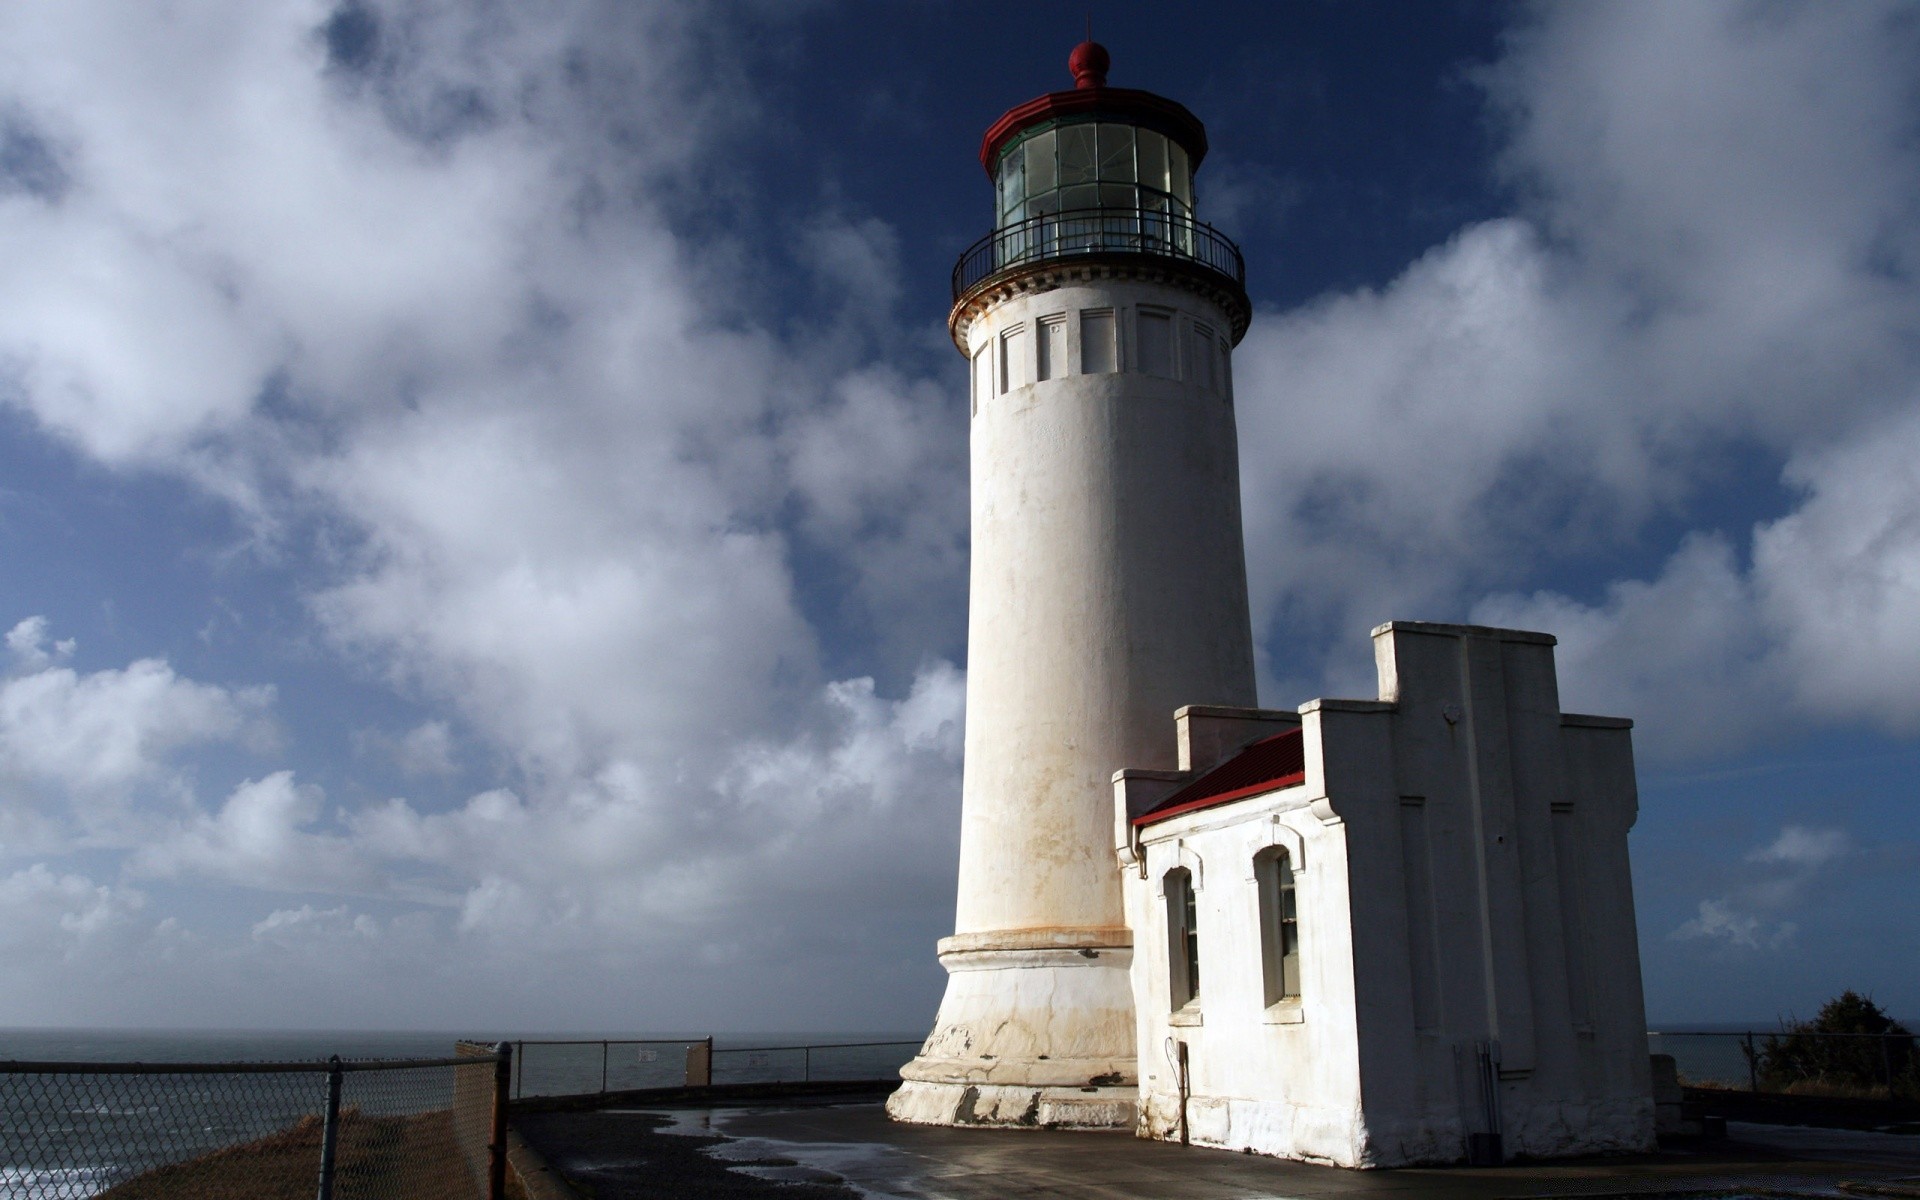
<point>537,1178</point>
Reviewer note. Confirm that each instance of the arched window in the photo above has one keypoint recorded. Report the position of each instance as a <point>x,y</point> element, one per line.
<point>1279,925</point>
<point>1183,942</point>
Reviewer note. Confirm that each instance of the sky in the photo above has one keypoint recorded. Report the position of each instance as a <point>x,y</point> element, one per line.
<point>483,524</point>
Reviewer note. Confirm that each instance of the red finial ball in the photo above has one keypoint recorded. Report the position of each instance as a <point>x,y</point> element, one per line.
<point>1089,63</point>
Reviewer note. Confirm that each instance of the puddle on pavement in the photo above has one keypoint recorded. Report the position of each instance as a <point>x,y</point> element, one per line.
<point>681,1122</point>
<point>871,1169</point>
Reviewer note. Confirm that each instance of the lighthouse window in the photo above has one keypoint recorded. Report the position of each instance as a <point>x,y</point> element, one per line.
<point>1097,356</point>
<point>1041,176</point>
<point>1279,925</point>
<point>1116,153</point>
<point>982,375</point>
<point>1077,159</point>
<point>1183,939</point>
<point>1092,164</point>
<point>1153,159</point>
<point>1013,183</point>
<point>1013,359</point>
<point>1179,176</point>
<point>1200,354</point>
<point>1156,344</point>
<point>1052,347</point>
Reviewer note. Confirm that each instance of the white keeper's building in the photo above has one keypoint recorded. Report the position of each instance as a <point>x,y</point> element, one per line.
<point>1363,932</point>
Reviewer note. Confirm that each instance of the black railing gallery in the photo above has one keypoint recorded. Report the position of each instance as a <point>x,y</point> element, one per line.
<point>1096,231</point>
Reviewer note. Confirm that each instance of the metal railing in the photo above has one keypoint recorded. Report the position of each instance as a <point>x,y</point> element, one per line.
<point>1795,1061</point>
<point>816,1062</point>
<point>595,1066</point>
<point>590,1066</point>
<point>427,1128</point>
<point>1094,231</point>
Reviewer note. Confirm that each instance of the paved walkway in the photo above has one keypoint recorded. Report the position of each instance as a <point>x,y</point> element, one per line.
<point>816,1151</point>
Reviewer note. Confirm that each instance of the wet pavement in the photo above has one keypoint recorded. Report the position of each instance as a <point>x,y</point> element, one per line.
<point>803,1151</point>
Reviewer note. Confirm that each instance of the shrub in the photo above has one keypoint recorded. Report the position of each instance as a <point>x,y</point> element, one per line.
<point>1801,1059</point>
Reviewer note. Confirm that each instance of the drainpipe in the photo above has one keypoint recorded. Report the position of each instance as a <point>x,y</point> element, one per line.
<point>1177,1057</point>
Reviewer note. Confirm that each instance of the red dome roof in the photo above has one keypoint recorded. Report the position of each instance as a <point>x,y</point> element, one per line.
<point>1089,62</point>
<point>1093,99</point>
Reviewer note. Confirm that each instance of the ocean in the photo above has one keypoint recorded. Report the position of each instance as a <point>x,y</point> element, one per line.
<point>66,1137</point>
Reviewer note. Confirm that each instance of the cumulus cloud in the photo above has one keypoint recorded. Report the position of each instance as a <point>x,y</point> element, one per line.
<point>414,287</point>
<point>296,926</point>
<point>1709,259</point>
<point>66,913</point>
<point>1820,627</point>
<point>31,647</point>
<point>407,277</point>
<point>262,836</point>
<point>74,747</point>
<point>1779,879</point>
<point>425,751</point>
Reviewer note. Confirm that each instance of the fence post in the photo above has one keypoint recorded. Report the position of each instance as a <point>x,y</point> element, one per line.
<point>1753,1065</point>
<point>330,1131</point>
<point>700,1063</point>
<point>520,1084</point>
<point>497,1143</point>
<point>806,1064</point>
<point>603,1065</point>
<point>1886,1063</point>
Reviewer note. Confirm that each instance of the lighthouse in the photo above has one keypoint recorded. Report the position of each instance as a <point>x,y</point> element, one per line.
<point>1108,582</point>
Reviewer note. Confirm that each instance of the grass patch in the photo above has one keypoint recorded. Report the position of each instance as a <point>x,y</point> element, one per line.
<point>415,1156</point>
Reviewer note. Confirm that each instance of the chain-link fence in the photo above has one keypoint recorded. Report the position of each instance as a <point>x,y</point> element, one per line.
<point>411,1129</point>
<point>1796,1062</point>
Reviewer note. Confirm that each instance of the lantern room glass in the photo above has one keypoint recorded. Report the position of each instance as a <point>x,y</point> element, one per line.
<point>1092,165</point>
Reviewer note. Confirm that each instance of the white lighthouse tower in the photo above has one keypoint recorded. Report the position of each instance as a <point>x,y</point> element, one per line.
<point>1108,582</point>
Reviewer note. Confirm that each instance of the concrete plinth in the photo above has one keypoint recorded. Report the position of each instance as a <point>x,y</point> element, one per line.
<point>1036,1031</point>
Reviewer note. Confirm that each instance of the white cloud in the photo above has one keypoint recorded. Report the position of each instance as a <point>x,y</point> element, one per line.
<point>43,913</point>
<point>31,647</point>
<point>261,837</point>
<point>74,744</point>
<point>1718,919</point>
<point>1823,627</point>
<point>1714,258</point>
<point>570,495</point>
<point>1811,849</point>
<point>297,926</point>
<point>626,858</point>
<point>427,302</point>
<point>1778,882</point>
<point>1839,578</point>
<point>425,751</point>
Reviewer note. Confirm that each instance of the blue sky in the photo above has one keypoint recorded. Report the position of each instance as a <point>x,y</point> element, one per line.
<point>482,485</point>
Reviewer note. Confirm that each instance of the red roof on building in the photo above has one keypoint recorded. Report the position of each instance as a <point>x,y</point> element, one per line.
<point>1269,764</point>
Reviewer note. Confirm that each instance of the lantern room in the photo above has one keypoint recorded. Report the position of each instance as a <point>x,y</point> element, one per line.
<point>1068,164</point>
<point>1097,173</point>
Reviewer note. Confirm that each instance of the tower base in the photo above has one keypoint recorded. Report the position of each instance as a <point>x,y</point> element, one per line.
<point>1013,1106</point>
<point>1036,1031</point>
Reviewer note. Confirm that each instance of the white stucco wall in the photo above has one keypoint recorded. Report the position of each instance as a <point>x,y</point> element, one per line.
<point>1108,586</point>
<point>1461,861</point>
